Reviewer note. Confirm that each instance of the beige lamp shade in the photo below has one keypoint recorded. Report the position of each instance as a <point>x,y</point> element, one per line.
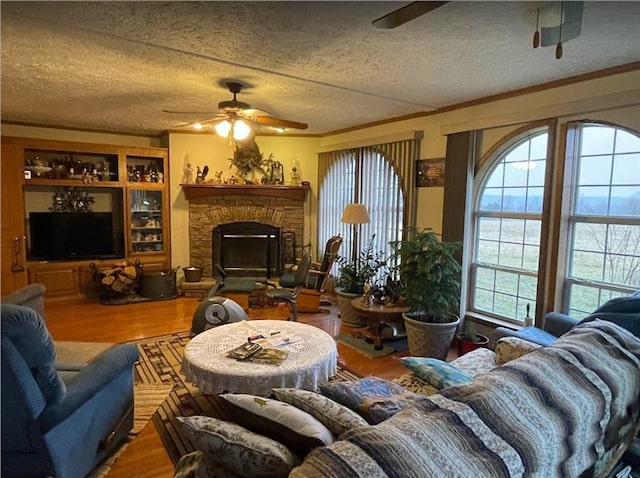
<point>355,214</point>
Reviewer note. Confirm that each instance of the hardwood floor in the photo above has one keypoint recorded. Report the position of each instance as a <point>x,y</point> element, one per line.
<point>88,321</point>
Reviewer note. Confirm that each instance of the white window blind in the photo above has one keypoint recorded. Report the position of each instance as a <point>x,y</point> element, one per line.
<point>382,178</point>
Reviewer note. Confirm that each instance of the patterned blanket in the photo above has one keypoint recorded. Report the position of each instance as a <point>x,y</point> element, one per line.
<point>558,411</point>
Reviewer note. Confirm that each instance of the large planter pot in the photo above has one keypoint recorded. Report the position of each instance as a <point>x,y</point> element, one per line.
<point>348,316</point>
<point>427,339</point>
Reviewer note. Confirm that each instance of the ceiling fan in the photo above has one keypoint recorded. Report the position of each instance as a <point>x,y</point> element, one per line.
<point>405,14</point>
<point>556,22</point>
<point>234,117</point>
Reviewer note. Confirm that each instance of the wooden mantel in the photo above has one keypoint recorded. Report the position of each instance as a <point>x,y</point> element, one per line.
<point>194,191</point>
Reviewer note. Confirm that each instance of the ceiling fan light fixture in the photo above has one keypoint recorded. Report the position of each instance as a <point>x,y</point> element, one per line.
<point>240,130</point>
<point>223,128</point>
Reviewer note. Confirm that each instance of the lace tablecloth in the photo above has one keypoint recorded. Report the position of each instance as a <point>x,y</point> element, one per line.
<point>312,358</point>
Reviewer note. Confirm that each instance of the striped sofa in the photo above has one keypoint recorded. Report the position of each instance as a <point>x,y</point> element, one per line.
<point>562,410</point>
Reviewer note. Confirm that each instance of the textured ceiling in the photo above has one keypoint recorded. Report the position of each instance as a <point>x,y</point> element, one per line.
<point>114,66</point>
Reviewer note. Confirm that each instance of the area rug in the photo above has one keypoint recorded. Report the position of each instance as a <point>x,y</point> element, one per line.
<point>389,346</point>
<point>160,360</point>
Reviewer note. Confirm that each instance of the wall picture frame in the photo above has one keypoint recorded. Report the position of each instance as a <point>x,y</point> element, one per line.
<point>430,172</point>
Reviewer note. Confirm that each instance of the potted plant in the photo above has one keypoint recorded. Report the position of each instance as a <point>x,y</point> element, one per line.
<point>469,339</point>
<point>353,276</point>
<point>430,275</point>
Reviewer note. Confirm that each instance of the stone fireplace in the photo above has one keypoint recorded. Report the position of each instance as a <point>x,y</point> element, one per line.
<point>213,206</point>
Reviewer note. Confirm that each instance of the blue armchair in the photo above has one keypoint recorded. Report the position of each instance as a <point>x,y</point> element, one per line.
<point>622,311</point>
<point>31,295</point>
<point>55,427</point>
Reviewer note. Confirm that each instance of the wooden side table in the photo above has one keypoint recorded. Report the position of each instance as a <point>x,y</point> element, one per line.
<point>379,317</point>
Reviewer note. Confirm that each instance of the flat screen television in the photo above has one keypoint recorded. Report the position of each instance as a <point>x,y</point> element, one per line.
<point>74,236</point>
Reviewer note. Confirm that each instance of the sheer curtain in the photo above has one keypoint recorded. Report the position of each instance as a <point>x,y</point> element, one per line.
<point>381,177</point>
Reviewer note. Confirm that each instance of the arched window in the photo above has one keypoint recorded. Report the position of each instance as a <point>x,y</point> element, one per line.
<point>507,227</point>
<point>603,257</point>
<point>361,175</point>
<point>593,253</point>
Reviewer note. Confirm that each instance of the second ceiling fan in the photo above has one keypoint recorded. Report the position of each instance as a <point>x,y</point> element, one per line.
<point>234,117</point>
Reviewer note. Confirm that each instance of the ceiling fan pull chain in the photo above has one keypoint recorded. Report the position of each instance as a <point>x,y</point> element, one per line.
<point>536,35</point>
<point>559,45</point>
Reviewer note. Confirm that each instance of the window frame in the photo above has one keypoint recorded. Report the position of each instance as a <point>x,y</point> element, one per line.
<point>483,171</point>
<point>569,219</point>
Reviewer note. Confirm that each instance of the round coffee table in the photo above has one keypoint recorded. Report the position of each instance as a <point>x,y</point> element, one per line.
<point>379,318</point>
<point>312,358</point>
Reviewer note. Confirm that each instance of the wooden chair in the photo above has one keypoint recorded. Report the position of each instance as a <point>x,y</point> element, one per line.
<point>319,273</point>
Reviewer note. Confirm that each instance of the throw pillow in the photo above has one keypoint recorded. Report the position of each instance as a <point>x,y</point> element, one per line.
<point>436,372</point>
<point>337,418</point>
<point>415,384</point>
<point>200,465</point>
<point>478,361</point>
<point>374,398</point>
<point>238,449</point>
<point>511,348</point>
<point>278,420</point>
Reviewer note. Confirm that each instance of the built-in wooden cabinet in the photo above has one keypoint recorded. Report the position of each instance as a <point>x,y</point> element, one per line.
<point>147,203</point>
<point>13,259</point>
<point>125,189</point>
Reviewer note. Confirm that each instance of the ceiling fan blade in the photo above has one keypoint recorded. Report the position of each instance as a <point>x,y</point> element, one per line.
<point>253,113</point>
<point>405,14</point>
<point>279,123</point>
<point>211,120</point>
<point>183,125</point>
<point>201,113</point>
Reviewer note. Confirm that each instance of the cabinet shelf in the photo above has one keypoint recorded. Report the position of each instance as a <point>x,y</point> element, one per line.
<point>145,171</point>
<point>72,183</point>
<point>146,185</point>
<point>146,226</point>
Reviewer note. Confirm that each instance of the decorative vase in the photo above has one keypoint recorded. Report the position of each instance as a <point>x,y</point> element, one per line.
<point>430,339</point>
<point>466,345</point>
<point>348,316</point>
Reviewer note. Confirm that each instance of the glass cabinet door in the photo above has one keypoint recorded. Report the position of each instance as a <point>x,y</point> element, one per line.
<point>147,221</point>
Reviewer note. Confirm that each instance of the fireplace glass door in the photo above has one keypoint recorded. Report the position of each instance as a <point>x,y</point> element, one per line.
<point>248,249</point>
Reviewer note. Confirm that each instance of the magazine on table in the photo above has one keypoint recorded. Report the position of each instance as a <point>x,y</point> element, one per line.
<point>244,351</point>
<point>268,356</point>
<point>265,349</point>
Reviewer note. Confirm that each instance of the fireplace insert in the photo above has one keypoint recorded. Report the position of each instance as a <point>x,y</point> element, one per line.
<point>248,249</point>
